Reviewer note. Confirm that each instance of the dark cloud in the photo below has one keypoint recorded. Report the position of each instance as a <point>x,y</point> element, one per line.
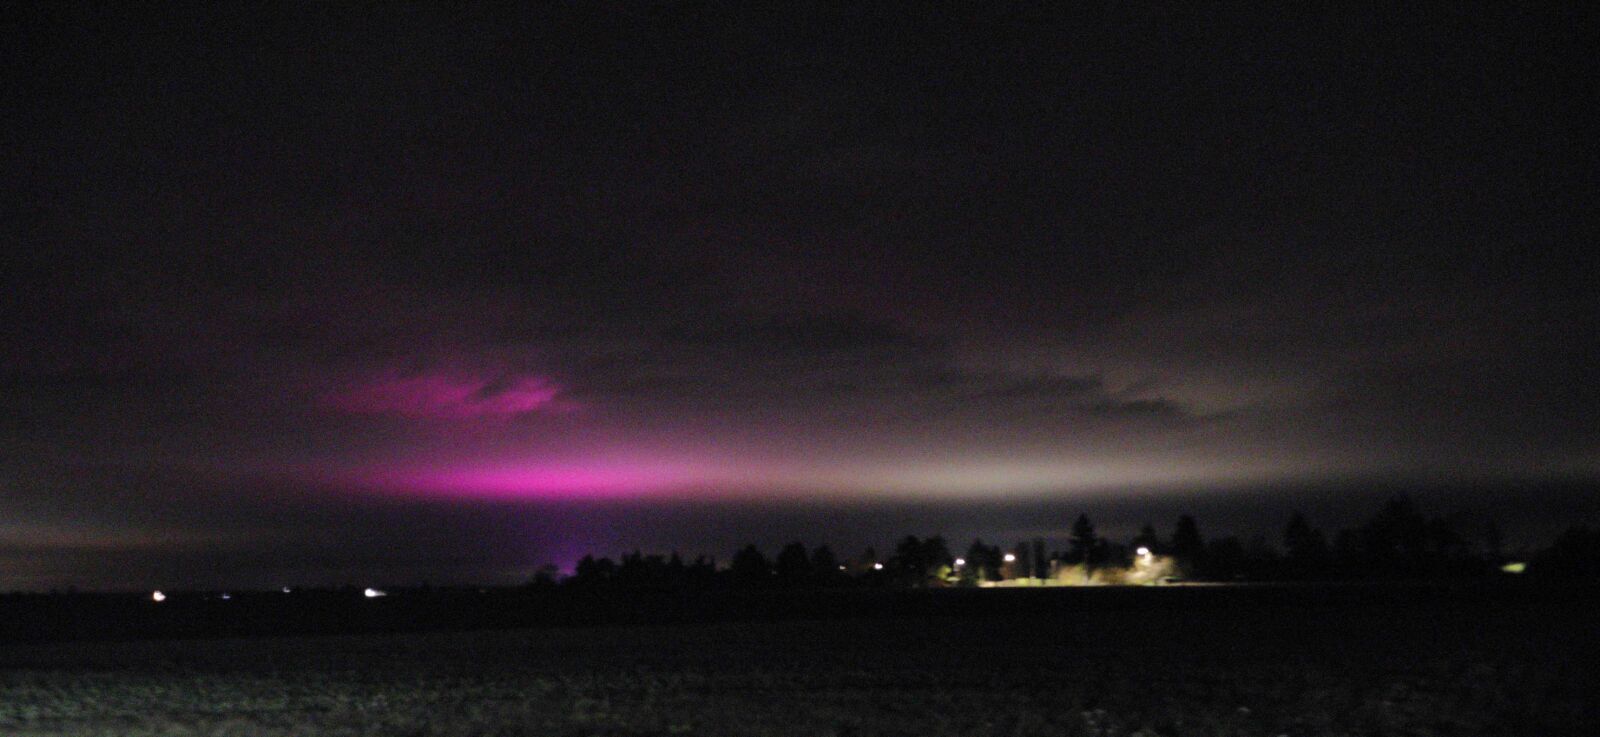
<point>802,334</point>
<point>1044,387</point>
<point>1159,408</point>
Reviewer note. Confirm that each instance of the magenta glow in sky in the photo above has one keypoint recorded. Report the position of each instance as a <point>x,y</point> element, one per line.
<point>539,480</point>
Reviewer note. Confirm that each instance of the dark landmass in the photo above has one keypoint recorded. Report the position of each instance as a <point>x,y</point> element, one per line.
<point>1306,660</point>
<point>69,617</point>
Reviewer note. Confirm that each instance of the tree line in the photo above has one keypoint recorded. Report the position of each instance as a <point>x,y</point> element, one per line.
<point>1399,542</point>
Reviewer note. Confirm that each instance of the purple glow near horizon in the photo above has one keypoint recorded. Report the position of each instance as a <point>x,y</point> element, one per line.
<point>532,482</point>
<point>448,397</point>
<point>451,397</point>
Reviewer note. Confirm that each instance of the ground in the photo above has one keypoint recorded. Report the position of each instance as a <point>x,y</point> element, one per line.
<point>1297,666</point>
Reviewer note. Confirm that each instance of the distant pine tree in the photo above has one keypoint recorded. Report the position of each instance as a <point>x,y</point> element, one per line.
<point>794,564</point>
<point>750,567</point>
<point>1187,546</point>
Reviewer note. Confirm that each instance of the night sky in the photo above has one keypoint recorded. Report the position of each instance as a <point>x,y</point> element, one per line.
<point>334,294</point>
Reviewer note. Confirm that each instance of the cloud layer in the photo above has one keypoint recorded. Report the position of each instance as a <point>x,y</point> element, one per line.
<point>446,397</point>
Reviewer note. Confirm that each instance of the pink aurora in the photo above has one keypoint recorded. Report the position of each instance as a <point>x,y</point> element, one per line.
<point>530,481</point>
<point>460,462</point>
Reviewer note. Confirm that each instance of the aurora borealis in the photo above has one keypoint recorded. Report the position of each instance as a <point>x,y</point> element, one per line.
<point>330,293</point>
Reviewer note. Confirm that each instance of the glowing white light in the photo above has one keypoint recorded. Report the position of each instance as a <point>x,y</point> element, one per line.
<point>158,596</point>
<point>1143,552</point>
<point>226,597</point>
<point>841,568</point>
<point>286,589</point>
<point>374,593</point>
<point>877,566</point>
<point>1011,558</point>
<point>960,562</point>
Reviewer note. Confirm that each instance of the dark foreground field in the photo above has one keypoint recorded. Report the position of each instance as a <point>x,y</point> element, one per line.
<point>1084,662</point>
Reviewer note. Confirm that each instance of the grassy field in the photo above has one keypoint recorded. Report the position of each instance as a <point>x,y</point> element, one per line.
<point>1210,667</point>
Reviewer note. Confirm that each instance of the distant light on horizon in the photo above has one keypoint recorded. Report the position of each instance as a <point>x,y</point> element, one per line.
<point>374,593</point>
<point>158,597</point>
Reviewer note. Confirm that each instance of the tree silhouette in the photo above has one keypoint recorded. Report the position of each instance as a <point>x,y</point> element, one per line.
<point>592,571</point>
<point>906,565</point>
<point>1306,548</point>
<point>936,556</point>
<point>1187,545</point>
<point>1083,539</point>
<point>750,567</point>
<point>864,565</point>
<point>916,561</point>
<point>1022,567</point>
<point>677,572</point>
<point>1395,541</point>
<point>794,564</point>
<point>824,565</point>
<point>638,569</point>
<point>1576,554</point>
<point>702,572</point>
<point>544,578</point>
<point>983,562</point>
